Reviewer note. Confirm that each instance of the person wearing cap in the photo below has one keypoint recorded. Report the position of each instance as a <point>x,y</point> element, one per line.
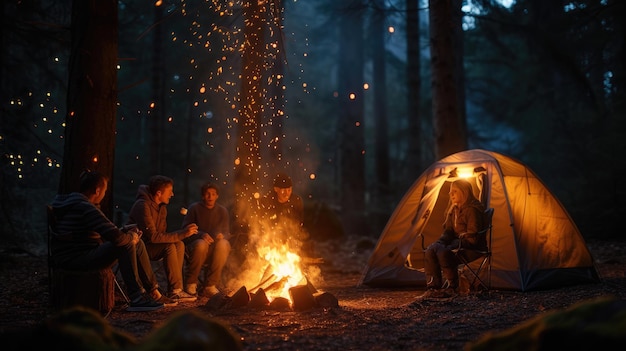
<point>283,211</point>
<point>281,206</point>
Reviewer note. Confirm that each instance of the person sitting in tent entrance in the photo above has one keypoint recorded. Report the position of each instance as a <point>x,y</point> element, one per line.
<point>464,219</point>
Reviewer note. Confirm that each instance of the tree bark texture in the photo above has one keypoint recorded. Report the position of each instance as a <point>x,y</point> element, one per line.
<point>450,136</point>
<point>275,95</point>
<point>413,67</point>
<point>156,118</point>
<point>381,156</point>
<point>92,94</point>
<point>250,111</point>
<point>351,118</point>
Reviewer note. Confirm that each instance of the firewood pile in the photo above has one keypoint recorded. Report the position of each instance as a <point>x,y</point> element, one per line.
<point>302,297</point>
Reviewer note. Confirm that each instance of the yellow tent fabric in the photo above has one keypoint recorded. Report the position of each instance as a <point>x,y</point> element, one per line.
<point>536,245</point>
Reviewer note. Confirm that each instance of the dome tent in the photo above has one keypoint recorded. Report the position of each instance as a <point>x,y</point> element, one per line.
<point>535,243</point>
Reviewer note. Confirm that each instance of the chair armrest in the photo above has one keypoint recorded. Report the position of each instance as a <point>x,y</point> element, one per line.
<point>480,232</point>
<point>422,236</point>
<point>468,234</point>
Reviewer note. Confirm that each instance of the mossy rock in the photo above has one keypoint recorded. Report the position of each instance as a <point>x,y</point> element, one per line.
<point>594,324</point>
<point>79,328</point>
<point>191,330</point>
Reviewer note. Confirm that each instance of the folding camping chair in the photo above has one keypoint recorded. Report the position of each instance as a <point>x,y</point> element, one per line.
<point>51,219</point>
<point>467,256</point>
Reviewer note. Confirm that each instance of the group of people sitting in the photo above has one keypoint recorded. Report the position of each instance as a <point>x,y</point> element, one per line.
<point>201,242</point>
<point>85,239</point>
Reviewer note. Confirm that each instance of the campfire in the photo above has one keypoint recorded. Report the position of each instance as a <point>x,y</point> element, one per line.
<point>275,273</point>
<point>281,273</point>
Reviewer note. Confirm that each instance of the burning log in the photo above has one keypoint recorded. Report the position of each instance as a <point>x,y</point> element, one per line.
<point>302,298</point>
<point>268,272</point>
<point>277,285</point>
<point>310,286</point>
<point>240,298</point>
<point>326,300</point>
<point>259,299</point>
<point>271,284</point>
<point>280,304</point>
<point>217,302</point>
<point>271,278</point>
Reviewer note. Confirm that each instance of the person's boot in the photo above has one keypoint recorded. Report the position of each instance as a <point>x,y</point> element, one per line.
<point>433,281</point>
<point>464,285</point>
<point>452,278</point>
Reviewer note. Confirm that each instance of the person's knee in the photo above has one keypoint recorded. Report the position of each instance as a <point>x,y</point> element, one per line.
<point>179,245</point>
<point>430,254</point>
<point>222,245</point>
<point>140,247</point>
<point>444,255</point>
<point>199,248</point>
<point>169,249</point>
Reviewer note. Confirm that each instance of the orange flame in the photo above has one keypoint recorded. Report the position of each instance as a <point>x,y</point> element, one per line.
<point>285,266</point>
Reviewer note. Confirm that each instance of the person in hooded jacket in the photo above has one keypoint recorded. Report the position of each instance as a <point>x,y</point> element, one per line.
<point>85,239</point>
<point>464,219</point>
<point>149,213</point>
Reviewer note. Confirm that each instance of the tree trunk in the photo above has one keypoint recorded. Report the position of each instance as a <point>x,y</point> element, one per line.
<point>250,113</point>
<point>275,97</point>
<point>92,95</point>
<point>351,123</point>
<point>381,157</point>
<point>457,44</point>
<point>413,67</point>
<point>156,118</point>
<point>450,136</point>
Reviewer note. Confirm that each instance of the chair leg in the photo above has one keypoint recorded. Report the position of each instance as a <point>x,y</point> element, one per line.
<point>122,291</point>
<point>489,271</point>
<point>476,273</point>
<point>116,269</point>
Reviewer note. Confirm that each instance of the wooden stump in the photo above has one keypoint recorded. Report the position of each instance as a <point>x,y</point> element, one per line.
<point>93,289</point>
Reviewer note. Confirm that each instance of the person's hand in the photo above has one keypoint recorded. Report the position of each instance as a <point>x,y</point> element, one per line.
<point>191,229</point>
<point>206,237</point>
<point>136,236</point>
<point>129,228</point>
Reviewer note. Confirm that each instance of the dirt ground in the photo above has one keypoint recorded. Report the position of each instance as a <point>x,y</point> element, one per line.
<point>366,318</point>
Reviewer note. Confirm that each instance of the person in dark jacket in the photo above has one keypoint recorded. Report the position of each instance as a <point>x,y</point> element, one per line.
<point>211,246</point>
<point>281,206</point>
<point>85,239</point>
<point>282,214</point>
<point>464,219</point>
<point>149,213</point>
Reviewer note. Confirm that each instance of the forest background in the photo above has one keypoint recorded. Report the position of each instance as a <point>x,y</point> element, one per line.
<point>357,100</point>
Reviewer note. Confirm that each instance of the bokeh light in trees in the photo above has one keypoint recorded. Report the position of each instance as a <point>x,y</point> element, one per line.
<point>220,39</point>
